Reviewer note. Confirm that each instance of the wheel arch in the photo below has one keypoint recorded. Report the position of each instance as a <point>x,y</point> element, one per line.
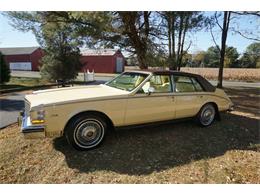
<point>216,108</point>
<point>98,113</point>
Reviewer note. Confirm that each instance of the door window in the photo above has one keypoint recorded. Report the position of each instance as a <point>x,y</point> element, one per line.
<point>160,83</point>
<point>183,84</point>
<point>197,85</point>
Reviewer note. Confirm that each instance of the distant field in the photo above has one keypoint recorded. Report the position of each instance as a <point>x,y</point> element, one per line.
<point>239,74</point>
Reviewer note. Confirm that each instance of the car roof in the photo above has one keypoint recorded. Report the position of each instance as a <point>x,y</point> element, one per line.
<point>164,72</point>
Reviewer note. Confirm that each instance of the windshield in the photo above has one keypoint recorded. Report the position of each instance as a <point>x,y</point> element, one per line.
<point>127,81</point>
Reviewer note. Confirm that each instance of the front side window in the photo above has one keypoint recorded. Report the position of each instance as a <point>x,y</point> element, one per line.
<point>160,84</point>
<point>127,81</point>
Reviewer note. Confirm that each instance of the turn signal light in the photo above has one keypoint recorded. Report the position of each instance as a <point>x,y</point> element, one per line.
<point>37,121</point>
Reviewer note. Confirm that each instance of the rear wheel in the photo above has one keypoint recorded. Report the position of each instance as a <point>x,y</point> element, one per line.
<point>206,115</point>
<point>86,131</point>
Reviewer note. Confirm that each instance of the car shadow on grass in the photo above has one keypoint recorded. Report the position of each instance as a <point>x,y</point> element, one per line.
<point>11,105</point>
<point>142,151</point>
<point>245,99</point>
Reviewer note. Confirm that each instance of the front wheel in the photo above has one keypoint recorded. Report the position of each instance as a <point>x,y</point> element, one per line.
<point>86,131</point>
<point>206,115</point>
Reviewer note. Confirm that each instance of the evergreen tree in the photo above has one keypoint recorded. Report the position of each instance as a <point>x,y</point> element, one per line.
<point>58,39</point>
<point>251,57</point>
<point>4,70</point>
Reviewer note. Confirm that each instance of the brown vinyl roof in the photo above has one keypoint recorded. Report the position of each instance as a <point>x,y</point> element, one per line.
<point>163,72</point>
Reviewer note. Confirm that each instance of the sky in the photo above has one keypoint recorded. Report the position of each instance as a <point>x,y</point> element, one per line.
<point>10,37</point>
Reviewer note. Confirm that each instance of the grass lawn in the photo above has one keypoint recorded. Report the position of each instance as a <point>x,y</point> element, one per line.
<point>226,152</point>
<point>23,82</point>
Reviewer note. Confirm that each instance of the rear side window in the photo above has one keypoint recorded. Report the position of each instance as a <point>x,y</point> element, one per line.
<point>197,85</point>
<point>186,84</point>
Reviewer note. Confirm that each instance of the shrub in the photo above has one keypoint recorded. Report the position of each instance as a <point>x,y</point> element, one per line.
<point>4,70</point>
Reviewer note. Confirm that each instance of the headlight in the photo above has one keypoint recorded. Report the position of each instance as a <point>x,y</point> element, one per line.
<point>38,117</point>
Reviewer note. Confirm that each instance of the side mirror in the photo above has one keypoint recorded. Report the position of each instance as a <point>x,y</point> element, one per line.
<point>150,90</point>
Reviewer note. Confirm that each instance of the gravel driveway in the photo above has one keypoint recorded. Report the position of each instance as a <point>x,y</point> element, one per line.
<point>10,106</point>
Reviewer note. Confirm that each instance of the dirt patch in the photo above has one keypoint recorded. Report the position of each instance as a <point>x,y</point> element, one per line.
<point>226,152</point>
<point>246,100</point>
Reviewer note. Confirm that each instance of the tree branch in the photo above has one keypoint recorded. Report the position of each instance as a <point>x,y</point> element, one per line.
<point>142,25</point>
<point>228,20</point>
<point>214,38</point>
<point>188,47</point>
<point>254,13</point>
<point>216,19</point>
<point>249,38</point>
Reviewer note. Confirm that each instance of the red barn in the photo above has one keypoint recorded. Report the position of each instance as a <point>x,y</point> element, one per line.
<point>103,60</point>
<point>23,58</point>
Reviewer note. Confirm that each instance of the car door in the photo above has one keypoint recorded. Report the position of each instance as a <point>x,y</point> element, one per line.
<point>188,96</point>
<point>143,107</point>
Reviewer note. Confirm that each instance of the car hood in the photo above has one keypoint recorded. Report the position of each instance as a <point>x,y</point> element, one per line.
<point>72,94</point>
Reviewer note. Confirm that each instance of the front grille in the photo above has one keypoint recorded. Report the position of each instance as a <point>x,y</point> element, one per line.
<point>26,108</point>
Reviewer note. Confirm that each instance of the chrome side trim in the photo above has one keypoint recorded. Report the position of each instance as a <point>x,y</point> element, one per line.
<point>131,96</point>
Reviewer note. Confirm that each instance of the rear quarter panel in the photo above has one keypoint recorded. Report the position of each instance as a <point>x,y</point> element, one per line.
<point>218,97</point>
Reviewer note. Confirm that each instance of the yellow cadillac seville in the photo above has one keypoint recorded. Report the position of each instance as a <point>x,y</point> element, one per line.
<point>85,114</point>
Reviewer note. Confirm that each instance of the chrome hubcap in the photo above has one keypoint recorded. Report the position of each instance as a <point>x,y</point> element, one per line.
<point>207,116</point>
<point>89,133</point>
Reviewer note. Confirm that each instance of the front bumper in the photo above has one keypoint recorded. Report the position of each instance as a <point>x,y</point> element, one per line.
<point>231,108</point>
<point>29,130</point>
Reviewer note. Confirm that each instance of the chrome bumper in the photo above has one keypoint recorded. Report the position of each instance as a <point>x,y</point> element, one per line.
<point>29,130</point>
<point>231,108</point>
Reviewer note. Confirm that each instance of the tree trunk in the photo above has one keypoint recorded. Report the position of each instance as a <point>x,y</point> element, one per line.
<point>173,43</point>
<point>142,61</point>
<point>138,41</point>
<point>225,27</point>
<point>183,41</point>
<point>146,24</point>
<point>171,38</point>
<point>179,42</point>
<point>169,23</point>
<point>143,43</point>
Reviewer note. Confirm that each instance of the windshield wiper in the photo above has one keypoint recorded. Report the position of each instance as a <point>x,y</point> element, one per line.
<point>120,88</point>
<point>117,87</point>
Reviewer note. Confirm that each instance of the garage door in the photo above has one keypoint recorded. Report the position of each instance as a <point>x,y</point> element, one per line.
<point>20,65</point>
<point>119,64</point>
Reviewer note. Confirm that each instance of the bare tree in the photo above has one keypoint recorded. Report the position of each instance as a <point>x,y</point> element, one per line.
<point>175,27</point>
<point>222,49</point>
<point>137,34</point>
<point>225,28</point>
